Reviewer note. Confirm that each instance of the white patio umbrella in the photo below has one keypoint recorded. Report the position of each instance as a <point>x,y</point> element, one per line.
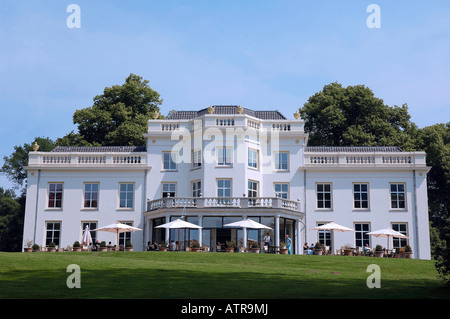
<point>245,224</point>
<point>179,224</point>
<point>333,227</point>
<point>387,232</point>
<point>117,228</point>
<point>87,238</point>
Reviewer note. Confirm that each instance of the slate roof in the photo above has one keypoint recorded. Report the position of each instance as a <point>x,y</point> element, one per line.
<point>359,149</point>
<point>100,149</point>
<point>226,109</point>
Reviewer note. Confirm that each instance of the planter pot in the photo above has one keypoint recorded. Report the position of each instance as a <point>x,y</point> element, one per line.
<point>408,255</point>
<point>102,248</point>
<point>254,250</point>
<point>28,250</point>
<point>229,249</point>
<point>51,249</point>
<point>379,253</point>
<point>317,251</point>
<point>195,249</point>
<point>76,248</point>
<point>129,249</point>
<point>284,251</point>
<point>348,252</point>
<point>162,248</point>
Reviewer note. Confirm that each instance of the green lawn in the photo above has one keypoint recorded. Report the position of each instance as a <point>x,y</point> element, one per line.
<point>213,275</point>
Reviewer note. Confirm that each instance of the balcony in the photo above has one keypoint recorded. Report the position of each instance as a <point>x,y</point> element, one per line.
<point>225,203</point>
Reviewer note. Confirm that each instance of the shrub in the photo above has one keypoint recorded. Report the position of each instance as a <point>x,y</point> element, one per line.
<point>318,246</point>
<point>254,244</point>
<point>128,244</point>
<point>195,243</point>
<point>52,244</point>
<point>76,244</point>
<point>231,244</point>
<point>378,248</point>
<point>36,247</point>
<point>103,244</point>
<point>408,249</point>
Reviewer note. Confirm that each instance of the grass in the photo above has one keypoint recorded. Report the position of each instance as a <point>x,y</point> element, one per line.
<point>185,275</point>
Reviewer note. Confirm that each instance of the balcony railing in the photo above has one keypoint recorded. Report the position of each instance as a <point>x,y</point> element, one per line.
<point>223,202</point>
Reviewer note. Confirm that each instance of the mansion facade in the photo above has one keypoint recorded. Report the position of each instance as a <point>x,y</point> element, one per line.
<point>220,165</point>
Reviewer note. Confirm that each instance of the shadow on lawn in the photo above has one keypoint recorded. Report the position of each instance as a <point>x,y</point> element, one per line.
<point>180,284</point>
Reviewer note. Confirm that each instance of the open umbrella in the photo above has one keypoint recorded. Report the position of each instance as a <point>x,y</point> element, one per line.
<point>387,232</point>
<point>245,224</point>
<point>179,224</point>
<point>333,227</point>
<point>117,228</point>
<point>87,238</point>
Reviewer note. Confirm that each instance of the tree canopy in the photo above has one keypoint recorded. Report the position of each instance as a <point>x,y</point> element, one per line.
<point>353,116</point>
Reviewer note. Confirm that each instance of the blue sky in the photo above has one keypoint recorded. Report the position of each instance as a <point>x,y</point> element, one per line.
<point>259,54</point>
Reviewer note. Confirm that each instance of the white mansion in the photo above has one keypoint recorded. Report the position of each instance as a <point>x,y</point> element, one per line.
<point>220,165</point>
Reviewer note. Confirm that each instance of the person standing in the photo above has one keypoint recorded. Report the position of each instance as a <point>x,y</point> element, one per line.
<point>289,244</point>
<point>267,242</point>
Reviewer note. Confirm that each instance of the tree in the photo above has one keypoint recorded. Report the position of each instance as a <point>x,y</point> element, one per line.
<point>11,220</point>
<point>119,116</point>
<point>353,116</point>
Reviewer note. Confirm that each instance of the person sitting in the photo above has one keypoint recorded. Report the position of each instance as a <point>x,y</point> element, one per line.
<point>367,249</point>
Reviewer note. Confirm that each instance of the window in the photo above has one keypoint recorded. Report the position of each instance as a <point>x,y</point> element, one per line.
<point>252,191</point>
<point>281,161</point>
<point>169,163</point>
<point>401,228</point>
<point>361,196</point>
<point>169,189</point>
<point>323,194</point>
<point>224,156</point>
<point>324,236</point>
<point>398,196</point>
<point>361,237</point>
<point>55,193</point>
<point>252,158</point>
<point>53,233</point>
<point>224,188</point>
<point>126,195</point>
<point>123,237</point>
<point>196,158</point>
<point>90,195</point>
<point>196,188</point>
<point>281,190</point>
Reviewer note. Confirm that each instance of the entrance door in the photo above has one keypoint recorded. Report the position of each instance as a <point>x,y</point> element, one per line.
<point>223,235</point>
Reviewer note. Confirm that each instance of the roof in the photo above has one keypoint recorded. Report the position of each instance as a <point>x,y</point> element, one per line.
<point>226,109</point>
<point>100,149</point>
<point>356,149</point>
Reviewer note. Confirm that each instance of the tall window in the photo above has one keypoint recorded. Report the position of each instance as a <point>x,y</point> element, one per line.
<point>90,195</point>
<point>360,196</point>
<point>398,199</point>
<point>55,194</point>
<point>361,237</point>
<point>224,188</point>
<point>323,195</point>
<point>224,156</point>
<point>196,188</point>
<point>401,228</point>
<point>324,236</point>
<point>196,158</point>
<point>169,163</point>
<point>281,190</point>
<point>123,237</point>
<point>252,191</point>
<point>252,158</point>
<point>53,233</point>
<point>126,195</point>
<point>169,189</point>
<point>281,161</point>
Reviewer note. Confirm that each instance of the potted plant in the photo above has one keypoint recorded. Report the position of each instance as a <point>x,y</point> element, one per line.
<point>29,248</point>
<point>76,246</point>
<point>254,247</point>
<point>347,250</point>
<point>128,246</point>
<point>408,253</point>
<point>36,248</point>
<point>230,246</point>
<point>51,247</point>
<point>163,246</point>
<point>103,246</point>
<point>318,249</point>
<point>283,248</point>
<point>379,252</point>
<point>195,245</point>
